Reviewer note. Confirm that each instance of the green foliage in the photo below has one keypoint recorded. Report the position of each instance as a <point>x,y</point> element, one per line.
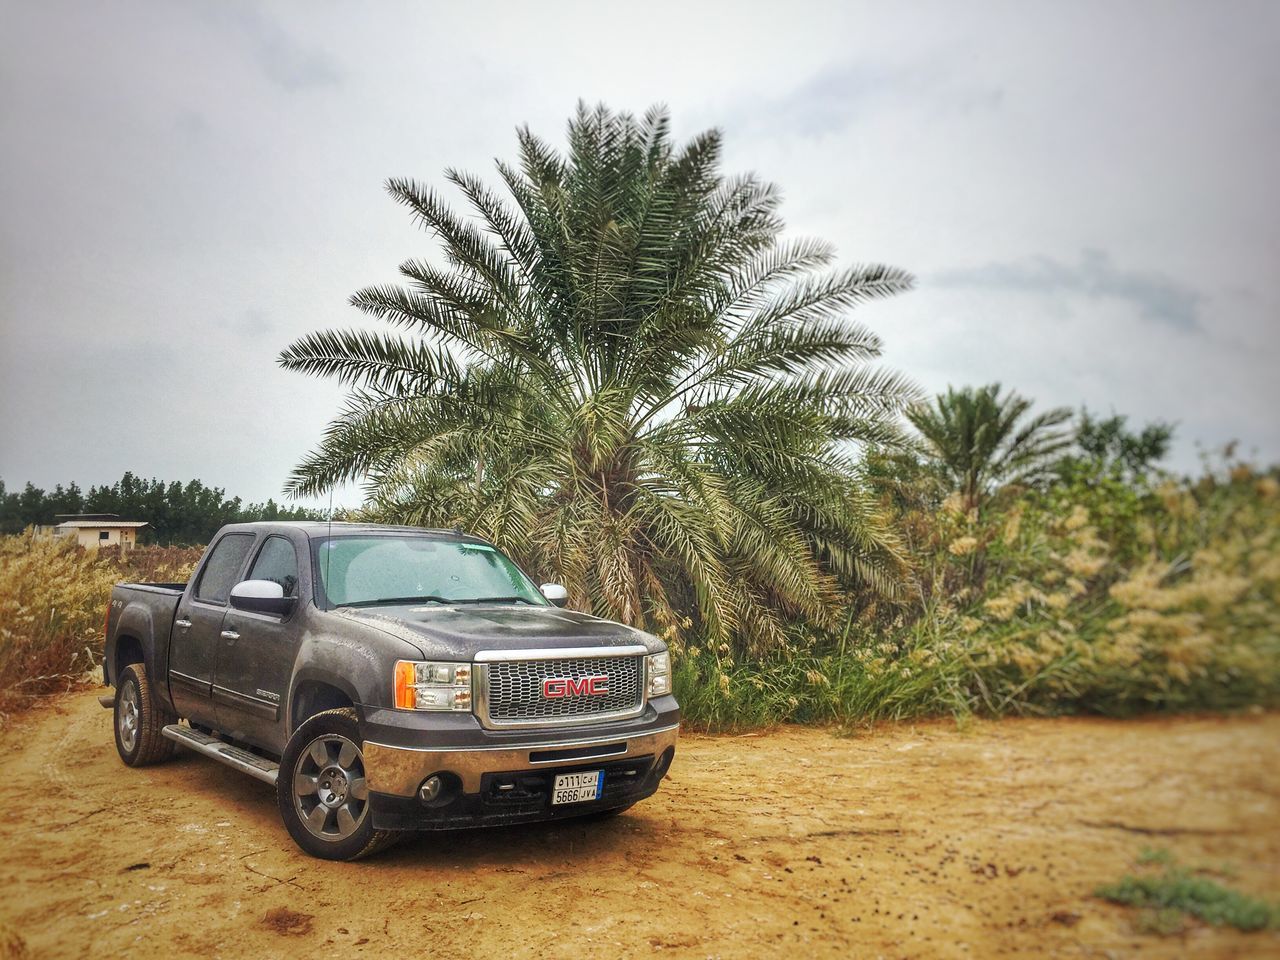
<point>1154,855</point>
<point>1169,896</point>
<point>627,379</point>
<point>1100,597</point>
<point>178,513</point>
<point>818,684</point>
<point>980,439</point>
<point>1106,447</point>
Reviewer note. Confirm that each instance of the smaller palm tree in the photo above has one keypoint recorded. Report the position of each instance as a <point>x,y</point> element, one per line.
<point>981,440</point>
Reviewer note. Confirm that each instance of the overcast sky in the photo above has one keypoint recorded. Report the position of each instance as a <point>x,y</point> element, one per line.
<point>1088,194</point>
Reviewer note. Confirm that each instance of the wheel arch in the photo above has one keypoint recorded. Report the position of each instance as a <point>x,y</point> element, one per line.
<point>128,649</point>
<point>132,641</point>
<point>314,692</point>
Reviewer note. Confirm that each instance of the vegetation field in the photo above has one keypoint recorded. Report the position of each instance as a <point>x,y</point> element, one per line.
<point>1092,595</point>
<point>626,374</point>
<point>53,603</point>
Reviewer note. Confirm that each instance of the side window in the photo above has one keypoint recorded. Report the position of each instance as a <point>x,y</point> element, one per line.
<point>220,570</point>
<point>278,562</point>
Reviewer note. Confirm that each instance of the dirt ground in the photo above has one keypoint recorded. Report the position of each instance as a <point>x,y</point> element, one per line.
<point>919,841</point>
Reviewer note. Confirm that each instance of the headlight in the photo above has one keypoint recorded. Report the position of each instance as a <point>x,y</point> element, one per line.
<point>425,685</point>
<point>658,672</point>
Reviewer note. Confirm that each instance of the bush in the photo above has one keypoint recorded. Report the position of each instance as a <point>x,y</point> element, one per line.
<point>53,601</point>
<point>1166,898</point>
<point>1097,595</point>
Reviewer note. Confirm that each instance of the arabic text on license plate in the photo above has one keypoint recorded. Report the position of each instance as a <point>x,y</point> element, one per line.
<point>577,787</point>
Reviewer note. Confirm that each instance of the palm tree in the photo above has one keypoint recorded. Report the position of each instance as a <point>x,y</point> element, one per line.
<point>979,439</point>
<point>625,378</point>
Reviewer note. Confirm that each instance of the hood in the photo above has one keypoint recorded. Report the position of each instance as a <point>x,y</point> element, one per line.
<point>460,632</point>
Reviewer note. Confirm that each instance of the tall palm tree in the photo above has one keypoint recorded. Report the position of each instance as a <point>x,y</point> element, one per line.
<point>981,439</point>
<point>624,377</point>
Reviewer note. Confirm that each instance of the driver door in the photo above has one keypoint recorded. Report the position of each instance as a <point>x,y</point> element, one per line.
<point>255,655</point>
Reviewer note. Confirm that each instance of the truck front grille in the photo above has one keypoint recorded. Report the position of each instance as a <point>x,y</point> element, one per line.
<point>515,692</point>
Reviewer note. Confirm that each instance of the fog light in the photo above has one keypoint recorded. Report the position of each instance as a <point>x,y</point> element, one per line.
<point>430,789</point>
<point>664,762</point>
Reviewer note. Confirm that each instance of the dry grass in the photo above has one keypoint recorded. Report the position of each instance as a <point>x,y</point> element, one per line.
<point>53,600</point>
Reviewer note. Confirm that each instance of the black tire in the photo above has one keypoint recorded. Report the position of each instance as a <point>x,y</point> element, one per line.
<point>312,795</point>
<point>138,718</point>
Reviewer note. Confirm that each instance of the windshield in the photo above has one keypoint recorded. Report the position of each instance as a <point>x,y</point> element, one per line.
<point>365,571</point>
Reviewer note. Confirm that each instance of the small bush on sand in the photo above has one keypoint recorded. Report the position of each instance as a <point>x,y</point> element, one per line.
<point>1168,897</point>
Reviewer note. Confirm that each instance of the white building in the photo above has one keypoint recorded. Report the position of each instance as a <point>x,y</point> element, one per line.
<point>100,530</point>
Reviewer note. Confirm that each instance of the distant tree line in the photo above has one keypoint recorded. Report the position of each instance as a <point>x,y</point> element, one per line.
<point>178,513</point>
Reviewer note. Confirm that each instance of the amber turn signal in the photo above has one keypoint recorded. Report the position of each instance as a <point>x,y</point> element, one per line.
<point>406,695</point>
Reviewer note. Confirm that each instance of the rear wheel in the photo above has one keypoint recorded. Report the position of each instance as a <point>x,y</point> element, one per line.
<point>322,792</point>
<point>138,719</point>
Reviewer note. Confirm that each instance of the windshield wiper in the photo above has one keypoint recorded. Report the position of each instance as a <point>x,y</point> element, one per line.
<point>432,598</point>
<point>428,598</point>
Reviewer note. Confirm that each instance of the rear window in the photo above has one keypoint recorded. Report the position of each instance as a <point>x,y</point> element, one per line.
<point>222,567</point>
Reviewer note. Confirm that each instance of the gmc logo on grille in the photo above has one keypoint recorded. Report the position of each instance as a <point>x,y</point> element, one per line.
<point>557,687</point>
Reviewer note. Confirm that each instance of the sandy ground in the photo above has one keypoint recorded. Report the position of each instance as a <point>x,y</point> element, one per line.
<point>924,841</point>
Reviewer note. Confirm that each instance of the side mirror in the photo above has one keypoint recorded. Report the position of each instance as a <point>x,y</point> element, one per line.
<point>557,594</point>
<point>261,596</point>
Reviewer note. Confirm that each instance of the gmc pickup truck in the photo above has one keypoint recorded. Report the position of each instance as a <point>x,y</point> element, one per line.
<point>387,679</point>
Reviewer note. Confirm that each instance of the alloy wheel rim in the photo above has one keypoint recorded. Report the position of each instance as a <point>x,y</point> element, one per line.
<point>128,715</point>
<point>329,789</point>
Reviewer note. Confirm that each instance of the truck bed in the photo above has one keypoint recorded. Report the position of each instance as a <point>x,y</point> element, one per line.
<point>143,612</point>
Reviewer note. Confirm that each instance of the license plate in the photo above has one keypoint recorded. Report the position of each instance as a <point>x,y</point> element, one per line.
<point>577,787</point>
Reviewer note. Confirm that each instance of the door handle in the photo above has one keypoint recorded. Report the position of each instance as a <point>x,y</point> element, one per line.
<point>184,623</point>
<point>230,635</point>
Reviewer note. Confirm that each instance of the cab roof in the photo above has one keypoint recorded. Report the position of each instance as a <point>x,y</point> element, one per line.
<point>323,528</point>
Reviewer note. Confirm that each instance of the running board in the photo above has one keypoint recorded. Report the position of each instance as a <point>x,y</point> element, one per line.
<point>240,759</point>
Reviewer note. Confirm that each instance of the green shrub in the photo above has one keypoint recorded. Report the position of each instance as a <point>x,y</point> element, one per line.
<point>1167,897</point>
<point>1101,597</point>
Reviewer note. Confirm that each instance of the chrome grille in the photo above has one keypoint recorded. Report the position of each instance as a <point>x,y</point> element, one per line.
<point>513,691</point>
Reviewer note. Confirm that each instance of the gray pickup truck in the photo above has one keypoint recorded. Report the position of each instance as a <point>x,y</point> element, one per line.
<point>387,679</point>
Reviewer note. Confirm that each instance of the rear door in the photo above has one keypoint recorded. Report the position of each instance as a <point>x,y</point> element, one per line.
<point>193,647</point>
<point>256,652</point>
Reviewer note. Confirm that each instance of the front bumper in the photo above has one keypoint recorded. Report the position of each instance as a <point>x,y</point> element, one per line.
<point>400,770</point>
<point>501,780</point>
<point>521,796</point>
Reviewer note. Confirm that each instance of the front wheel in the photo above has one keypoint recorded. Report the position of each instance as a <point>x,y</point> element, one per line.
<point>322,792</point>
<point>139,717</point>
